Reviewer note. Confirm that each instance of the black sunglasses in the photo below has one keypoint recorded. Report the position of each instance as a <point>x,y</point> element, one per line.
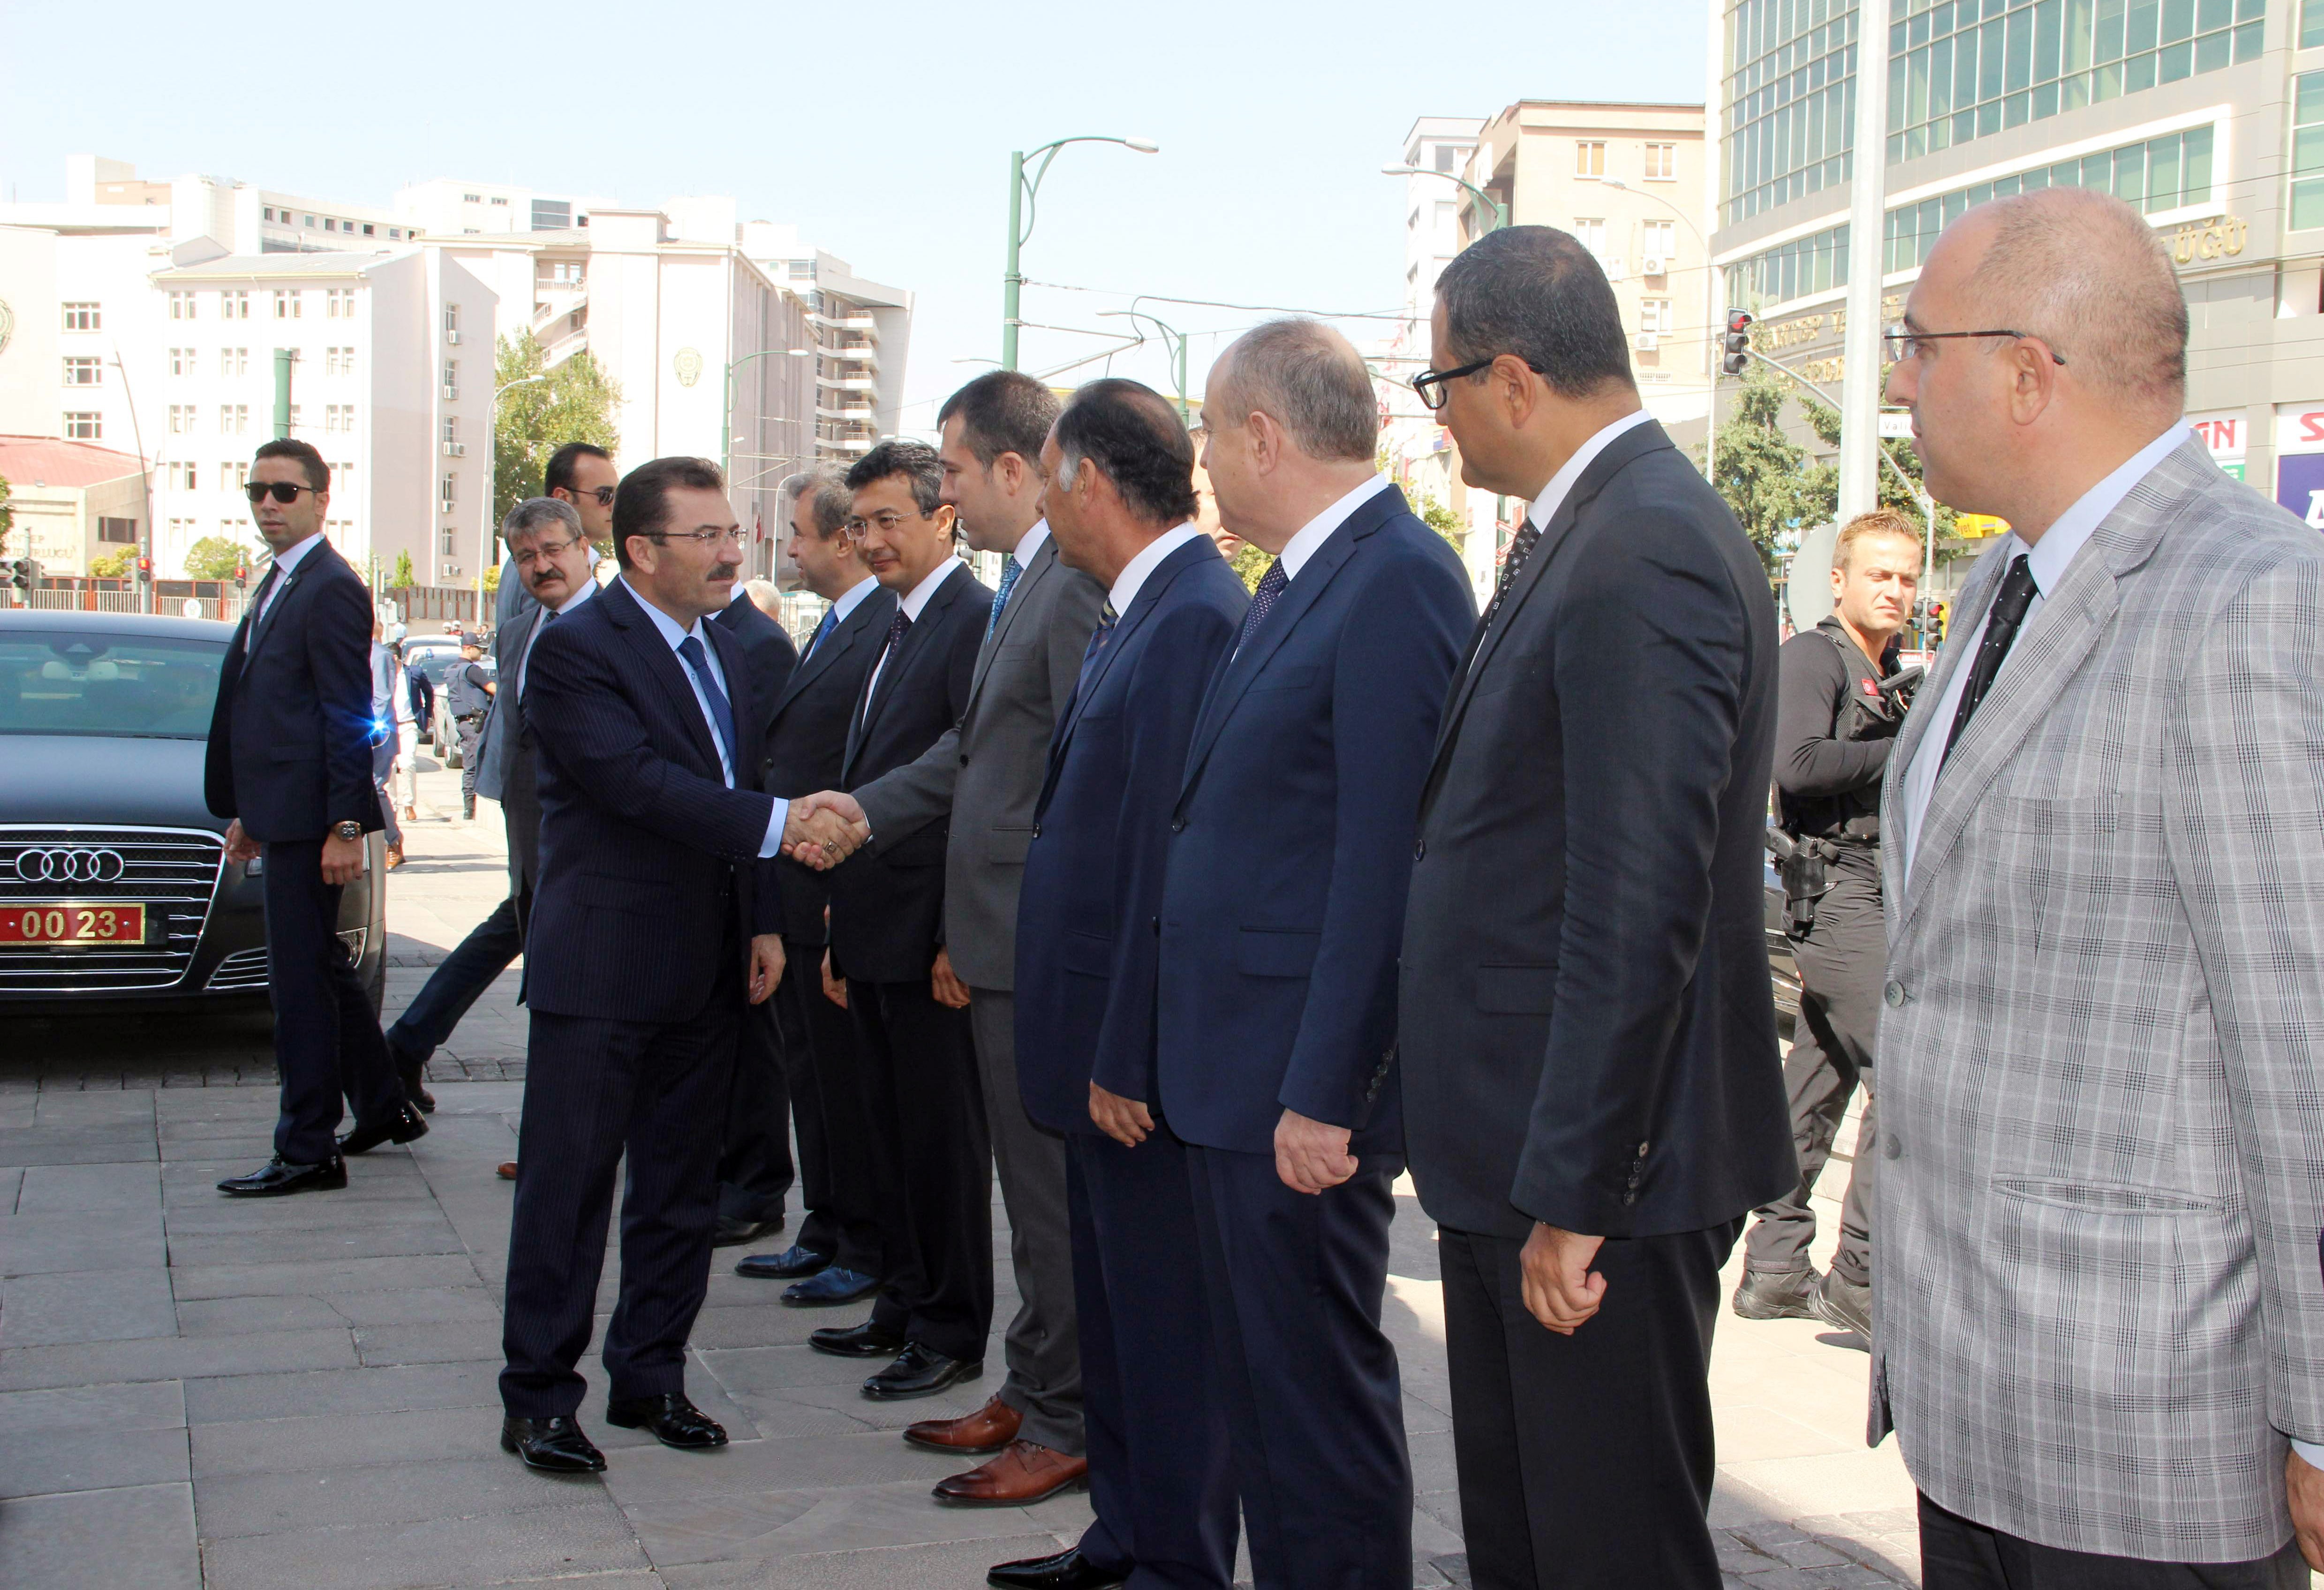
<point>603,493</point>
<point>284,491</point>
<point>1429,384</point>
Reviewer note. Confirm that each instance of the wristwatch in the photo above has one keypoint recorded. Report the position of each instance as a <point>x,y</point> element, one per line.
<point>349,829</point>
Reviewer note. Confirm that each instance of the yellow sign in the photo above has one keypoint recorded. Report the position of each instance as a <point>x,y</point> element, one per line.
<point>1977,526</point>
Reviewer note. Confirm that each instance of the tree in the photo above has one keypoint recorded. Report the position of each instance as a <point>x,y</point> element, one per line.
<point>1764,474</point>
<point>1250,564</point>
<point>114,565</point>
<point>7,514</point>
<point>574,402</point>
<point>1824,421</point>
<point>403,579</point>
<point>216,557</point>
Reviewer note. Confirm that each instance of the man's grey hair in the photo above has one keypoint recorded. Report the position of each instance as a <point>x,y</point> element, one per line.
<point>538,513</point>
<point>828,499</point>
<point>764,597</point>
<point>2084,271</point>
<point>1308,379</point>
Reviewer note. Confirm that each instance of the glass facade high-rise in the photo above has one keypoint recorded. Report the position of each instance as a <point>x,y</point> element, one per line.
<point>1790,101</point>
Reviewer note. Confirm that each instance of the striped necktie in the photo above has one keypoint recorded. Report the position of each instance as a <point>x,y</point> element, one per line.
<point>1010,569</point>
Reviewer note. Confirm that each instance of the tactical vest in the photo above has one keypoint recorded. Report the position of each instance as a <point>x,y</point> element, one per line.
<point>1864,714</point>
<point>462,694</point>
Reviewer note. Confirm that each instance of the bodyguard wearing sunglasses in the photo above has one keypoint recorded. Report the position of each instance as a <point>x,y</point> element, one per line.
<point>290,764</point>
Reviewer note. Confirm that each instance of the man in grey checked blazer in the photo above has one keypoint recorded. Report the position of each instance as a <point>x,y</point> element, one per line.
<point>2097,1314</point>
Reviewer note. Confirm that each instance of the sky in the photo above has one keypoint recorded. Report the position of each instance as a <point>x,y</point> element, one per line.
<point>883,131</point>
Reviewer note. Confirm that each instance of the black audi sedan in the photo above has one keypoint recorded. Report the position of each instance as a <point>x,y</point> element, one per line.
<point>114,890</point>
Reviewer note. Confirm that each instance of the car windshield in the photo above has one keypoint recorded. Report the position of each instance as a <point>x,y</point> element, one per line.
<point>149,686</point>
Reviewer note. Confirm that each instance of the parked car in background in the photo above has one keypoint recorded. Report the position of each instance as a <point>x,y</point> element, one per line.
<point>432,656</point>
<point>114,889</point>
<point>443,731</point>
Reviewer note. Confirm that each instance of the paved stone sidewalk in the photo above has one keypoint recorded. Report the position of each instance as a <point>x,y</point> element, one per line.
<point>301,1393</point>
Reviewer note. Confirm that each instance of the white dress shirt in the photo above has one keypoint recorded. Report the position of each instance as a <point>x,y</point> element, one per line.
<point>672,635</point>
<point>285,564</point>
<point>1133,575</point>
<point>1030,543</point>
<point>2046,561</point>
<point>1317,530</point>
<point>851,598</point>
<point>914,601</point>
<point>588,589</point>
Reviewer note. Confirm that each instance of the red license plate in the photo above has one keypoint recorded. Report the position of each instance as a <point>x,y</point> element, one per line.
<point>72,922</point>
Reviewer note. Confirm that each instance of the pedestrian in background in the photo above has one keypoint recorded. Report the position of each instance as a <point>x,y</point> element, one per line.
<point>1588,1029</point>
<point>2097,1318</point>
<point>467,697</point>
<point>386,677</point>
<point>1838,705</point>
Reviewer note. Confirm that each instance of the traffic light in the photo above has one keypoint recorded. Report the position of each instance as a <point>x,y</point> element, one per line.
<point>1737,341</point>
<point>145,568</point>
<point>23,574</point>
<point>242,577</point>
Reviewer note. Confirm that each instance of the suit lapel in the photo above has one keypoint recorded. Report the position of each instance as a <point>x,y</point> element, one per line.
<point>1149,595</point>
<point>835,644</point>
<point>887,675</point>
<point>1031,575</point>
<point>1235,674</point>
<point>265,626</point>
<point>644,638</point>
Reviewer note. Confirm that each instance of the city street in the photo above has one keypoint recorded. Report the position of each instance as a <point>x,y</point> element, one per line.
<point>301,1393</point>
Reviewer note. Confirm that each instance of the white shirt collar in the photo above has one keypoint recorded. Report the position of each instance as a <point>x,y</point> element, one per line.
<point>1553,495</point>
<point>1031,542</point>
<point>741,589</point>
<point>288,561</point>
<point>851,598</point>
<point>1150,557</point>
<point>917,596</point>
<point>670,634</point>
<point>2046,559</point>
<point>1317,530</point>
<point>582,593</point>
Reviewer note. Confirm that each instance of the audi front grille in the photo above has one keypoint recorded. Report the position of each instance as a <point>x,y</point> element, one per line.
<point>172,871</point>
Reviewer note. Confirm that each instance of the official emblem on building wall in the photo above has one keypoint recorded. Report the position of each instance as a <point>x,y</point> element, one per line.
<point>689,365</point>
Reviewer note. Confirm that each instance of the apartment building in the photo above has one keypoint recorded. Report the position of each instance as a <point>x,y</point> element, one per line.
<point>2207,115</point>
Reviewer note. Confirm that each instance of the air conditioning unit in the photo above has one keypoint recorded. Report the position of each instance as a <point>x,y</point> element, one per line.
<point>455,449</point>
<point>451,394</point>
<point>1652,265</point>
<point>452,336</point>
<point>451,571</point>
<point>1648,341</point>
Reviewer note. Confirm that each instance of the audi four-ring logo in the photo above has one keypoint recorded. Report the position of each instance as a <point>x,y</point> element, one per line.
<point>69,866</point>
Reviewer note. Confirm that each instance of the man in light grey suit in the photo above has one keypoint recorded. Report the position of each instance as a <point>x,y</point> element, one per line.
<point>2097,1317</point>
<point>985,777</point>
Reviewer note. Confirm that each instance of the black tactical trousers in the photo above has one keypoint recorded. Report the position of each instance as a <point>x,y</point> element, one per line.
<point>1842,961</point>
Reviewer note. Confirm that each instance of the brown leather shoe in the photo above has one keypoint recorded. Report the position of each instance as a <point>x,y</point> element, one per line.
<point>507,1171</point>
<point>988,1429</point>
<point>1026,1472</point>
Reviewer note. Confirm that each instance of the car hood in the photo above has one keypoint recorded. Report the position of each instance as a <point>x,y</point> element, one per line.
<point>94,778</point>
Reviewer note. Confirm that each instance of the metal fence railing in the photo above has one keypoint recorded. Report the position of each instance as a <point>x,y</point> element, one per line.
<point>65,600</point>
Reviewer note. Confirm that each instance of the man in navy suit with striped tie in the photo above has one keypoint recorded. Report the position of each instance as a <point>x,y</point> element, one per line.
<point>653,924</point>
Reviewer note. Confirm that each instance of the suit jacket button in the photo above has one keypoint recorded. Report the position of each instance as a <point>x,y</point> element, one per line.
<point>1630,1197</point>
<point>1890,1149</point>
<point>1893,993</point>
<point>963,759</point>
<point>1037,828</point>
<point>1178,824</point>
<point>1419,848</point>
<point>1157,924</point>
<point>1642,1150</point>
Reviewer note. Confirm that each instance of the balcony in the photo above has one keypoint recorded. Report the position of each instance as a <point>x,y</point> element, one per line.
<point>860,413</point>
<point>846,322</point>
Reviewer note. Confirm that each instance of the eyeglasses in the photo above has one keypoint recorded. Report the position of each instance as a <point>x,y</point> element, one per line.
<point>732,536</point>
<point>543,551</point>
<point>603,493</point>
<point>284,491</point>
<point>1900,343</point>
<point>1430,386</point>
<point>856,529</point>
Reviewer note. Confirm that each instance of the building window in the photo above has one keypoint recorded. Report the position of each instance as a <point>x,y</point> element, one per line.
<point>451,428</point>
<point>472,198</point>
<point>800,270</point>
<point>1953,77</point>
<point>551,216</point>
<point>1790,94</point>
<point>451,495</point>
<point>80,425</point>
<point>452,322</point>
<point>451,381</point>
<point>182,419</point>
<point>343,476</point>
<point>84,373</point>
<point>338,361</point>
<point>1654,315</point>
<point>1590,158</point>
<point>287,303</point>
<point>182,305</point>
<point>339,303</point>
<point>268,212</point>
<point>83,317</point>
<point>231,306</point>
<point>394,231</point>
<point>181,478</point>
<point>1797,269</point>
<point>235,420</point>
<point>1448,157</point>
<point>118,532</point>
<point>1590,233</point>
<point>233,361</point>
<point>339,418</point>
<point>1660,241</point>
<point>181,361</point>
<point>2307,142</point>
<point>308,220</point>
<point>2166,173</point>
<point>449,543</point>
<point>501,200</point>
<point>233,476</point>
<point>1662,163</point>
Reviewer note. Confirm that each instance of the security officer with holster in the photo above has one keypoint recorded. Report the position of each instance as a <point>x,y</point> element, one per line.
<point>1841,700</point>
<point>469,696</point>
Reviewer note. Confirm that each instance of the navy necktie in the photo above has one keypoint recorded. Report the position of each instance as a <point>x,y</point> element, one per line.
<point>722,711</point>
<point>1271,587</point>
<point>830,622</point>
<point>1010,569</point>
<point>2001,621</point>
<point>1521,547</point>
<point>897,626</point>
<point>1096,647</point>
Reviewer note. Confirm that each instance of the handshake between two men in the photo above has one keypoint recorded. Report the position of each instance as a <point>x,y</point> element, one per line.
<point>824,830</point>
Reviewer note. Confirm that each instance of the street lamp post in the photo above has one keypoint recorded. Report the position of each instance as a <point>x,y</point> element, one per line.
<point>1173,345</point>
<point>1493,207</point>
<point>726,420</point>
<point>1710,317</point>
<point>1022,191</point>
<point>492,456</point>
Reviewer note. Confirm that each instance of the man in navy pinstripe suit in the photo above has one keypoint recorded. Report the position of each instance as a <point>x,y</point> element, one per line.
<point>653,924</point>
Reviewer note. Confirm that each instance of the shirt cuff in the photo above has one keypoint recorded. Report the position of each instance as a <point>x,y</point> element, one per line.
<point>776,818</point>
<point>2311,1453</point>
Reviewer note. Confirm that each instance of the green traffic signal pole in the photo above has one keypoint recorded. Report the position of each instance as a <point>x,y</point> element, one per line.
<point>726,420</point>
<point>1493,207</point>
<point>1174,344</point>
<point>1022,190</point>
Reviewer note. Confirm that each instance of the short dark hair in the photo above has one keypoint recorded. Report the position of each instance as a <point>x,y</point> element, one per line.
<point>1536,292</point>
<point>560,473</point>
<point>319,474</point>
<point>1002,412</point>
<point>1134,434</point>
<point>916,461</point>
<point>825,486</point>
<point>641,501</point>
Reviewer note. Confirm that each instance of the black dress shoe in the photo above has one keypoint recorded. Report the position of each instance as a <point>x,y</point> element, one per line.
<point>279,1177</point>
<point>401,1126</point>
<point>669,1418</point>
<point>552,1446</point>
<point>1067,1570</point>
<point>920,1371</point>
<point>830,1288</point>
<point>866,1340</point>
<point>1776,1294</point>
<point>733,1233</point>
<point>414,1077</point>
<point>792,1263</point>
